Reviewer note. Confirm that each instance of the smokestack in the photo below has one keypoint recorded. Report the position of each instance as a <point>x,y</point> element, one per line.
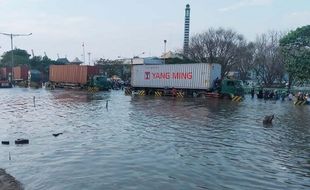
<point>186,30</point>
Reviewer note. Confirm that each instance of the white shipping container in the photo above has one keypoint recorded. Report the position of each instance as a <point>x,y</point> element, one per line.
<point>180,76</point>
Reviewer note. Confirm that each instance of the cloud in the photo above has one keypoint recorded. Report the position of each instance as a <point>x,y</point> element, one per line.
<point>245,3</point>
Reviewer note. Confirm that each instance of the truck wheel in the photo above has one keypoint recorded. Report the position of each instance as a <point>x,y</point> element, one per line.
<point>226,97</point>
<point>202,95</point>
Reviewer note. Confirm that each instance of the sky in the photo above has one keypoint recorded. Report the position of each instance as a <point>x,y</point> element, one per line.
<point>113,29</point>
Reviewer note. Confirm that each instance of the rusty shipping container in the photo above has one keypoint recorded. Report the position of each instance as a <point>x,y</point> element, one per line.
<point>4,73</point>
<point>20,72</point>
<point>75,74</point>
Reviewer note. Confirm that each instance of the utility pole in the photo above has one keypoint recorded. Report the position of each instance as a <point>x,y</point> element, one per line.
<point>12,53</point>
<point>88,58</point>
<point>11,36</point>
<point>83,52</point>
<point>165,42</point>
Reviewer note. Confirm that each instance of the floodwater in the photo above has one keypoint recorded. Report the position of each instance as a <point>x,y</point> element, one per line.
<point>152,143</point>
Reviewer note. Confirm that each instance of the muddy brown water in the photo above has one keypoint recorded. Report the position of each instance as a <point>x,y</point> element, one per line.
<point>152,143</point>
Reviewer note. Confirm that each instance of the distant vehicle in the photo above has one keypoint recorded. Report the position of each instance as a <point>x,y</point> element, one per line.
<point>78,76</point>
<point>197,79</point>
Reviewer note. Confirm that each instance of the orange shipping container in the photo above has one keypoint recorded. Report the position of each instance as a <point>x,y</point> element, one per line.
<point>20,73</point>
<point>4,72</point>
<point>75,74</point>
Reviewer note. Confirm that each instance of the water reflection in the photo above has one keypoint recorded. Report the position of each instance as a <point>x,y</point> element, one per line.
<point>78,96</point>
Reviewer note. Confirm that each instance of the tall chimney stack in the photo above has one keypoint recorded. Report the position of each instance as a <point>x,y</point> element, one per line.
<point>186,30</point>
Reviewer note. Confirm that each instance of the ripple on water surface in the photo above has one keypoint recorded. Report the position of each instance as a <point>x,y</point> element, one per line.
<point>152,143</point>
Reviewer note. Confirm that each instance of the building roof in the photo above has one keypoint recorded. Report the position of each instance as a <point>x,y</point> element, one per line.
<point>171,55</point>
<point>76,61</point>
<point>147,61</point>
<point>63,60</point>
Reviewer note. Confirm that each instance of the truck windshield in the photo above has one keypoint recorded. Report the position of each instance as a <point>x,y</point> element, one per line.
<point>100,78</point>
<point>239,84</point>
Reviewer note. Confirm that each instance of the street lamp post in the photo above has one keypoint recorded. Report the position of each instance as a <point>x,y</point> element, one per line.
<point>88,58</point>
<point>12,53</point>
<point>165,42</point>
<point>83,45</point>
<point>11,36</point>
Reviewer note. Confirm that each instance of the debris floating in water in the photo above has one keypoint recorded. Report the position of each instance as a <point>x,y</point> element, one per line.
<point>22,141</point>
<point>57,134</point>
<point>5,142</point>
<point>268,119</point>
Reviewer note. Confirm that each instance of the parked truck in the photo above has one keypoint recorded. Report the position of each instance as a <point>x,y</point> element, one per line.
<point>199,79</point>
<point>78,76</point>
<point>25,77</point>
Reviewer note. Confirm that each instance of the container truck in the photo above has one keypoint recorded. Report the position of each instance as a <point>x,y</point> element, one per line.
<point>35,78</point>
<point>5,73</point>
<point>5,77</point>
<point>26,77</point>
<point>78,76</point>
<point>20,73</point>
<point>197,79</point>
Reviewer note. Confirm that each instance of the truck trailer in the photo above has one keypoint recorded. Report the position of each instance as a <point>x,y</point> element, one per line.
<point>5,77</point>
<point>78,76</point>
<point>20,73</point>
<point>197,79</point>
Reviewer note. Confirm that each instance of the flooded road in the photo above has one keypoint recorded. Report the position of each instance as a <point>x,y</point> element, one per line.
<point>152,143</point>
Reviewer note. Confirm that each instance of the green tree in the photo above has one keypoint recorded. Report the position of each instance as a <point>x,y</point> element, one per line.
<point>295,47</point>
<point>21,57</point>
<point>42,64</point>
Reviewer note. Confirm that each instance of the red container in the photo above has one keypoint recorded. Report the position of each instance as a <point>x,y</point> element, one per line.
<point>75,74</point>
<point>20,73</point>
<point>4,72</point>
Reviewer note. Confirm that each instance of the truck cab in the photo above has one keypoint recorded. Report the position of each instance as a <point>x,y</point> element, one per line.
<point>231,87</point>
<point>101,82</point>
